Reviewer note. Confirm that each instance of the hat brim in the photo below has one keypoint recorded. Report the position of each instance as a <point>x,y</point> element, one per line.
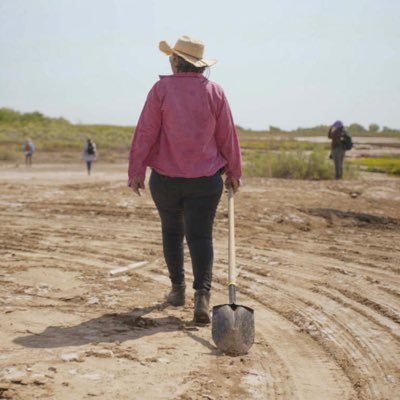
<point>168,50</point>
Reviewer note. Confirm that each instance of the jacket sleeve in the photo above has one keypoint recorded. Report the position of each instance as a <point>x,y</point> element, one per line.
<point>228,140</point>
<point>146,134</point>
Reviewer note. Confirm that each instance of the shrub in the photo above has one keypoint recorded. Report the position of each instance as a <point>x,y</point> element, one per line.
<point>313,165</point>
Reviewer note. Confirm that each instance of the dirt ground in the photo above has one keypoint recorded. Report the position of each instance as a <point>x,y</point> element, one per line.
<point>319,263</point>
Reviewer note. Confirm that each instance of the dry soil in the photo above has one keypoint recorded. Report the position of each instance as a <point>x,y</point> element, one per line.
<point>319,263</point>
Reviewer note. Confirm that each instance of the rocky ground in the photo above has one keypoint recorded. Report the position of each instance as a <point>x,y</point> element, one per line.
<point>319,263</point>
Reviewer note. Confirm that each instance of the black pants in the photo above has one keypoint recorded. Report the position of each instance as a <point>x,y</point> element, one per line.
<point>338,154</point>
<point>88,166</point>
<point>187,208</point>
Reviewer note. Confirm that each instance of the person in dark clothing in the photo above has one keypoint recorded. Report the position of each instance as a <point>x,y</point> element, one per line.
<point>336,133</point>
<point>28,148</point>
<point>89,154</point>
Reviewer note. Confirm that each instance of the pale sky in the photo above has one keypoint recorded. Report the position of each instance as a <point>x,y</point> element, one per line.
<point>285,63</point>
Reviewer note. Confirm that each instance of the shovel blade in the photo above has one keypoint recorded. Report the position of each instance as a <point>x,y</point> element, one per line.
<point>233,328</point>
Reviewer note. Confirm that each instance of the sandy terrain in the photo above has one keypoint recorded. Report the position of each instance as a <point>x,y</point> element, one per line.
<point>319,263</point>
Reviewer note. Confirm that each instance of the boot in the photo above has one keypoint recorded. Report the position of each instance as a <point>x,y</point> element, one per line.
<point>176,297</point>
<point>201,306</point>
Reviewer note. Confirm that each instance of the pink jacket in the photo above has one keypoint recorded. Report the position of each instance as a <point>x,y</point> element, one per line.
<point>185,130</point>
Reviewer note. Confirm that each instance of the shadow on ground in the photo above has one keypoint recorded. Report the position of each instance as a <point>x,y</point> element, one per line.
<point>359,218</point>
<point>114,327</point>
<point>107,328</point>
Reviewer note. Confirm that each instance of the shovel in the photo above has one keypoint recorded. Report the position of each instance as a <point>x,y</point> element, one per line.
<point>232,324</point>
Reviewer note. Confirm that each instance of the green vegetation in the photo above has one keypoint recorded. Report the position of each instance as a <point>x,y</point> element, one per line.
<point>282,145</point>
<point>322,130</point>
<point>290,165</point>
<point>270,153</point>
<point>383,164</point>
<point>57,134</point>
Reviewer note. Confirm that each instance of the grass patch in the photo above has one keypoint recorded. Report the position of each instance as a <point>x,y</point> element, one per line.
<point>313,165</point>
<point>384,164</point>
<point>57,134</point>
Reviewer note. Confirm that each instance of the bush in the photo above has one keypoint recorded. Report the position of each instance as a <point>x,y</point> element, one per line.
<point>8,115</point>
<point>313,165</point>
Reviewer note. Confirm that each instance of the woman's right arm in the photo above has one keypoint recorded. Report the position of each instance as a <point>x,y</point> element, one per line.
<point>146,134</point>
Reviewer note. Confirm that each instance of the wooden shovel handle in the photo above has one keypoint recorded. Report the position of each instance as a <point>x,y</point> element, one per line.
<point>231,248</point>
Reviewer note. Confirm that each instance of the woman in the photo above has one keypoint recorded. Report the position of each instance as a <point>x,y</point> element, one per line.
<point>89,154</point>
<point>336,133</point>
<point>187,136</point>
<point>28,149</point>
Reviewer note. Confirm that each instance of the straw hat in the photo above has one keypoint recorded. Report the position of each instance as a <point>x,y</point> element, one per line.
<point>189,49</point>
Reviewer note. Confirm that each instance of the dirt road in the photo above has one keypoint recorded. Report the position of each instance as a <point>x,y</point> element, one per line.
<point>319,262</point>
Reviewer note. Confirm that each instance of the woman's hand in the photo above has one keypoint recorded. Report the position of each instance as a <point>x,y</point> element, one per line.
<point>136,183</point>
<point>232,183</point>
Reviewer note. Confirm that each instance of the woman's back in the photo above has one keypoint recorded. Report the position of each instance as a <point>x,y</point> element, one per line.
<point>188,119</point>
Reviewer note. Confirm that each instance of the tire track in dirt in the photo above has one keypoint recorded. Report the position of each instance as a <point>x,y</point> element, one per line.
<point>385,305</point>
<point>305,311</point>
<point>380,320</point>
<point>346,352</point>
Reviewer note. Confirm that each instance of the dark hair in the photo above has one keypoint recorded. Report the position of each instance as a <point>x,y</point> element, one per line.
<point>184,66</point>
